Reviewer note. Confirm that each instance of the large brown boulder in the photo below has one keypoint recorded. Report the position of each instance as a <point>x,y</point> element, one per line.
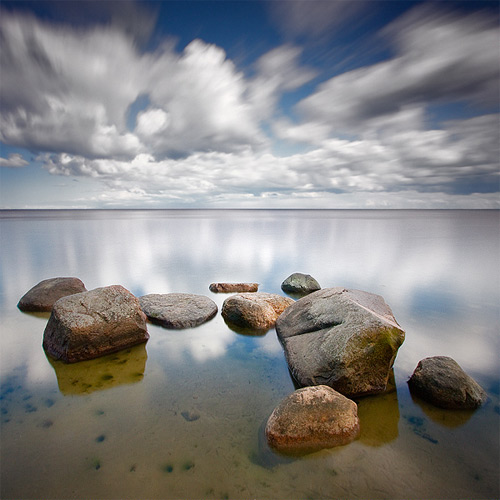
<point>90,324</point>
<point>312,418</point>
<point>346,339</point>
<point>43,296</point>
<point>256,311</point>
<point>178,310</point>
<point>441,381</point>
<point>233,287</point>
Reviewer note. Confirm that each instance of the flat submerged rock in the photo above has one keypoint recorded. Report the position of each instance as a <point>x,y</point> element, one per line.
<point>178,310</point>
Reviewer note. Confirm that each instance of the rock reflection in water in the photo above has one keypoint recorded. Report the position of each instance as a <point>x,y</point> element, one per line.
<point>123,367</point>
<point>379,416</point>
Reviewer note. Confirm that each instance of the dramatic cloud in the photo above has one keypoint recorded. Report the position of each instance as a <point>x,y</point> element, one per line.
<point>440,58</point>
<point>168,127</point>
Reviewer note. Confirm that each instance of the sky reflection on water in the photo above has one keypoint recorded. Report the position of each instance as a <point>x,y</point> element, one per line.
<point>438,271</point>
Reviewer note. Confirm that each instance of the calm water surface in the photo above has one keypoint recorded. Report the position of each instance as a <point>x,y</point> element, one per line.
<point>182,416</point>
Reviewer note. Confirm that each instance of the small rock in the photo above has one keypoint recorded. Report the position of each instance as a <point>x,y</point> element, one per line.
<point>346,339</point>
<point>257,311</point>
<point>441,381</point>
<point>178,310</point>
<point>43,296</point>
<point>91,324</point>
<point>233,287</point>
<point>299,283</point>
<point>312,418</point>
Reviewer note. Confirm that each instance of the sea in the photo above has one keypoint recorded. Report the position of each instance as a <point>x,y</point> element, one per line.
<point>183,416</point>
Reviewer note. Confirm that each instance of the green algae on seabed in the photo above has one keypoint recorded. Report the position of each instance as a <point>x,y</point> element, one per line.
<point>85,377</point>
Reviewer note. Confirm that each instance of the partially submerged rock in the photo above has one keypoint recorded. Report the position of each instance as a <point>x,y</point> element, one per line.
<point>233,287</point>
<point>441,381</point>
<point>42,297</point>
<point>346,339</point>
<point>178,310</point>
<point>257,311</point>
<point>91,324</point>
<point>312,418</point>
<point>301,284</point>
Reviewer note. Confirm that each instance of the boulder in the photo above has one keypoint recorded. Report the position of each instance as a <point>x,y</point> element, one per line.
<point>42,297</point>
<point>91,324</point>
<point>178,310</point>
<point>312,418</point>
<point>302,284</point>
<point>257,311</point>
<point>233,287</point>
<point>346,339</point>
<point>441,381</point>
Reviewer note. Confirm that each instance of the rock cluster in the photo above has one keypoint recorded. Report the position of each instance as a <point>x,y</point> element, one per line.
<point>91,324</point>
<point>339,343</point>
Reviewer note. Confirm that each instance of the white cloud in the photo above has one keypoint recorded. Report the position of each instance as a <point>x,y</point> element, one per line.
<point>440,58</point>
<point>14,160</point>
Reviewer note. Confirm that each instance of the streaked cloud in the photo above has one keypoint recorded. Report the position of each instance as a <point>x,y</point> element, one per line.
<point>189,127</point>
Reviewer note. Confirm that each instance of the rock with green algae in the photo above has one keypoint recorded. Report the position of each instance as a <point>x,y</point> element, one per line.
<point>345,339</point>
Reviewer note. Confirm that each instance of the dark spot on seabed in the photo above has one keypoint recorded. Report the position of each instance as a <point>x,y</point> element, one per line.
<point>187,465</point>
<point>168,468</point>
<point>190,416</point>
<point>418,427</point>
<point>100,439</point>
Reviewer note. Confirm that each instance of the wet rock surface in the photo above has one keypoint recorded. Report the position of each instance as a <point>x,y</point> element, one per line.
<point>256,311</point>
<point>43,296</point>
<point>91,324</point>
<point>300,284</point>
<point>441,381</point>
<point>346,339</point>
<point>178,310</point>
<point>233,287</point>
<point>312,418</point>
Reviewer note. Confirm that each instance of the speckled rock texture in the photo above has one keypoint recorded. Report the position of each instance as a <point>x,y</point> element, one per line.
<point>233,287</point>
<point>312,418</point>
<point>91,324</point>
<point>256,311</point>
<point>43,296</point>
<point>441,381</point>
<point>178,310</point>
<point>346,339</point>
<point>300,284</point>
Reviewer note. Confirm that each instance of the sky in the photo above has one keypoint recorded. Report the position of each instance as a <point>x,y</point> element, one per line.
<point>249,104</point>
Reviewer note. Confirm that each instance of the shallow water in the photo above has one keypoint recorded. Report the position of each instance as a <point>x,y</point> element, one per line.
<point>182,416</point>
